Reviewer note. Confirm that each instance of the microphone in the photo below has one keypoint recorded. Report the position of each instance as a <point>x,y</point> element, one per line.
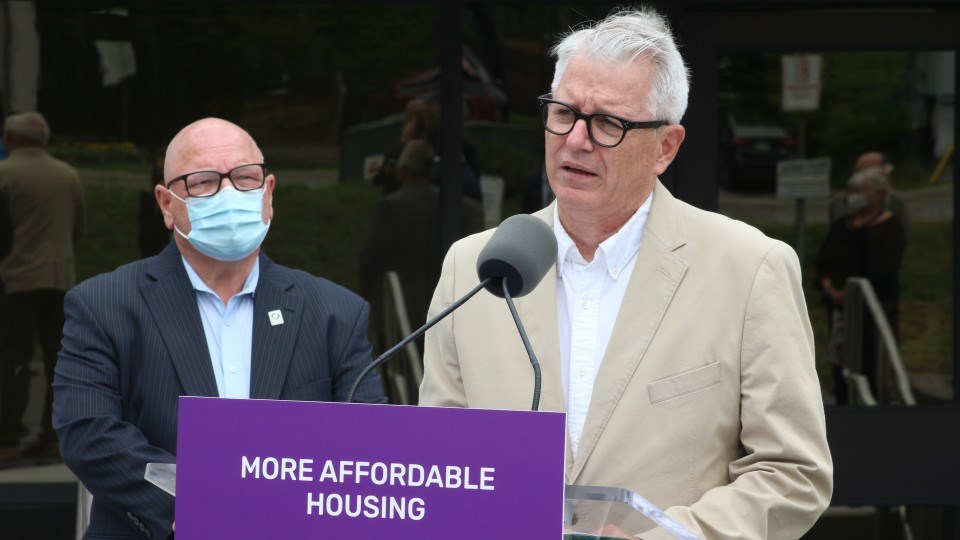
<point>512,263</point>
<point>522,249</point>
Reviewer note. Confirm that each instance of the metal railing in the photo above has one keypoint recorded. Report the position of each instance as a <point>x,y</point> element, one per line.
<point>403,377</point>
<point>858,294</point>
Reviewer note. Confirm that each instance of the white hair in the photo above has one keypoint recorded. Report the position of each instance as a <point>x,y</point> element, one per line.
<point>875,176</point>
<point>28,126</point>
<point>625,36</point>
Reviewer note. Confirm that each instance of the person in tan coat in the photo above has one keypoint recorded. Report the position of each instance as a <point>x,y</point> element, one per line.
<point>676,340</point>
<point>47,210</point>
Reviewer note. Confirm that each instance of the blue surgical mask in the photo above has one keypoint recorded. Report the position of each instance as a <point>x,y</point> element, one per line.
<point>227,226</point>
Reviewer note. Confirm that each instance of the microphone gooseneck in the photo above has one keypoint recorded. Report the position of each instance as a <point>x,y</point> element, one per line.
<point>526,344</point>
<point>519,253</point>
<point>393,350</point>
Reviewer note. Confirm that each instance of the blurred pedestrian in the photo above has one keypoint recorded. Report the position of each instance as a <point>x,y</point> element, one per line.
<point>405,236</point>
<point>421,122</point>
<point>870,244</point>
<point>47,212</point>
<point>839,209</point>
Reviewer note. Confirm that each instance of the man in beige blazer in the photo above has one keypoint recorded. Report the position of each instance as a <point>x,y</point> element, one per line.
<point>676,340</point>
<point>47,210</point>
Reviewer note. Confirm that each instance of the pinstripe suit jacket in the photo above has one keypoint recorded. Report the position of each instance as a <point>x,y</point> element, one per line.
<point>133,343</point>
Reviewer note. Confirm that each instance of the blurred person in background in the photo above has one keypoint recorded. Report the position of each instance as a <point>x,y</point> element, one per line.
<point>47,210</point>
<point>868,243</point>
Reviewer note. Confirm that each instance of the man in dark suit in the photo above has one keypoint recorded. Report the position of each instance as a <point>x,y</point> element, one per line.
<point>208,316</point>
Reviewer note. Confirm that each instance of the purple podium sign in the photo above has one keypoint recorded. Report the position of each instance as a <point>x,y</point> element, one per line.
<point>257,469</point>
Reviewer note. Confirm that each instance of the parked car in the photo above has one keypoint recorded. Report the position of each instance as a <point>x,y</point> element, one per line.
<point>749,154</point>
<point>483,99</point>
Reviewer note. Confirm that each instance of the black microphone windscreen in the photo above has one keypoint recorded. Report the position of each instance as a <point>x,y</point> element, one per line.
<point>522,249</point>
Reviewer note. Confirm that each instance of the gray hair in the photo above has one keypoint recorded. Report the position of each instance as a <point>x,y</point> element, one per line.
<point>625,36</point>
<point>416,159</point>
<point>28,126</point>
<point>875,176</point>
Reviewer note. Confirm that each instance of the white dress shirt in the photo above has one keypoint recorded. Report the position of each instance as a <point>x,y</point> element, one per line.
<point>229,332</point>
<point>588,301</point>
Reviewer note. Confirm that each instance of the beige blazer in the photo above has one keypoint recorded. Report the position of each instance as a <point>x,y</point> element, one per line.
<point>707,402</point>
<point>47,209</point>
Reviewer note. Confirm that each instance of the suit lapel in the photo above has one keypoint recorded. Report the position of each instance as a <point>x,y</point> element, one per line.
<point>653,283</point>
<point>272,343</point>
<point>171,300</point>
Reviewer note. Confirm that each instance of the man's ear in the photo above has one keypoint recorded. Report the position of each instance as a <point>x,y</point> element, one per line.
<point>670,138</point>
<point>164,200</point>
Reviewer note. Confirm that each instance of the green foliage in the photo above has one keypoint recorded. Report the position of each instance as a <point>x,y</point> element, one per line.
<point>864,106</point>
<point>322,231</point>
<point>116,154</point>
<point>111,235</point>
<point>862,109</point>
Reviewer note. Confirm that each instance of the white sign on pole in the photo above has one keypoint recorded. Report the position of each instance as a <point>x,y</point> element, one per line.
<point>801,82</point>
<point>803,178</point>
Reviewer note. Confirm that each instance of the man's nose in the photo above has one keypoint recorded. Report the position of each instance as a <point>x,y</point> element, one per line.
<point>579,136</point>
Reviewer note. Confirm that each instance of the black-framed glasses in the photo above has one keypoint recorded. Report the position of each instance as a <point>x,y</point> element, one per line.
<point>605,130</point>
<point>207,183</point>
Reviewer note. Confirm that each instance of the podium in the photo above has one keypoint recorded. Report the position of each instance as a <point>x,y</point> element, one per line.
<point>285,469</point>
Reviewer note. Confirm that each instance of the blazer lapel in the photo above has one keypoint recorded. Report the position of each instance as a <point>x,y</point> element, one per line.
<point>272,340</point>
<point>653,283</point>
<point>171,300</point>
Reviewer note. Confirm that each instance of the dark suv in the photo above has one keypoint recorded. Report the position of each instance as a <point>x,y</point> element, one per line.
<point>749,154</point>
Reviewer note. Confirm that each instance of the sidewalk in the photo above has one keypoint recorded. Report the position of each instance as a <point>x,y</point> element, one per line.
<point>933,203</point>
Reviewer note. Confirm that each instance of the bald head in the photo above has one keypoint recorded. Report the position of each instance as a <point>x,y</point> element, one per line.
<point>210,144</point>
<point>870,159</point>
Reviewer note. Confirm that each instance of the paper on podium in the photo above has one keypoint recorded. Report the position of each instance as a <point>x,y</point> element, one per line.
<point>588,510</point>
<point>163,475</point>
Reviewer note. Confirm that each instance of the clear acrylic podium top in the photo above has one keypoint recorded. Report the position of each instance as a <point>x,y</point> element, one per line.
<point>592,512</point>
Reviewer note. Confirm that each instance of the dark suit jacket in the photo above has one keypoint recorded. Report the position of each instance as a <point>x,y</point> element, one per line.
<point>133,343</point>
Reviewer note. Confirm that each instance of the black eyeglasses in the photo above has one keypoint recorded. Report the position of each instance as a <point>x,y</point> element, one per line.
<point>604,129</point>
<point>207,183</point>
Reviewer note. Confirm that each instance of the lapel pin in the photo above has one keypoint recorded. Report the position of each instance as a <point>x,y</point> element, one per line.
<point>276,317</point>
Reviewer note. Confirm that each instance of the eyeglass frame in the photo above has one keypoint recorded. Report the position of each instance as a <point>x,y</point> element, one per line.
<point>263,169</point>
<point>628,125</point>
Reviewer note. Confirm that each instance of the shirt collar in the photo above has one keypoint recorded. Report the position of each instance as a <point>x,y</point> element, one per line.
<point>248,286</point>
<point>615,252</point>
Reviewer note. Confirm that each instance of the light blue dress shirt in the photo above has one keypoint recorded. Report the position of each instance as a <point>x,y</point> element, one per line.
<point>229,332</point>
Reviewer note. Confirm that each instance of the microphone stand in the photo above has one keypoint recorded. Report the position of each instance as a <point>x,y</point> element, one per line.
<point>393,350</point>
<point>526,343</point>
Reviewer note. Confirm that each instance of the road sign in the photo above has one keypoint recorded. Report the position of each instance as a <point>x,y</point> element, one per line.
<point>803,178</point>
<point>800,74</point>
